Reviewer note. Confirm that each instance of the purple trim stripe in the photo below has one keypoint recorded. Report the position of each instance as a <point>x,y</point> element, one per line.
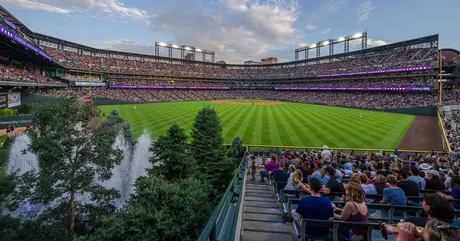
<point>380,89</point>
<point>376,72</point>
<point>168,87</point>
<point>23,42</point>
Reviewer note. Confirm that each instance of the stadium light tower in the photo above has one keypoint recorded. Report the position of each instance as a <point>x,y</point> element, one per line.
<point>183,49</point>
<point>331,43</point>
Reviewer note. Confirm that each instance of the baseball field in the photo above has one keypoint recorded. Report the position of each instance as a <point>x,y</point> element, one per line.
<point>275,123</point>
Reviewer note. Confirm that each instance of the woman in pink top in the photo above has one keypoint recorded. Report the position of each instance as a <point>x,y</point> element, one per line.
<point>272,164</point>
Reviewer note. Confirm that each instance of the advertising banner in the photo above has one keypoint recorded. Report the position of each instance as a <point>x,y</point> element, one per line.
<point>81,83</point>
<point>14,99</point>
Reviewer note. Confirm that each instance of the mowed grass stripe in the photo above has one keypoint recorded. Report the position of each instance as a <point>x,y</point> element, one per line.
<point>334,129</point>
<point>245,128</point>
<point>236,122</point>
<point>315,134</point>
<point>287,124</point>
<point>272,127</point>
<point>329,133</point>
<point>286,132</point>
<point>341,122</point>
<point>248,132</point>
<point>257,131</point>
<point>265,132</point>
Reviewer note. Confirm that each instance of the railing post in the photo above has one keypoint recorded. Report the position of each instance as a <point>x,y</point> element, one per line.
<point>213,234</point>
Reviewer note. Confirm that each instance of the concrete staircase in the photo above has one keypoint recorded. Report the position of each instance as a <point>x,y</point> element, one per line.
<point>262,214</point>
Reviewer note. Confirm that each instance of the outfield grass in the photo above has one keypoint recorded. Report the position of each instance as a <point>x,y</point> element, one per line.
<point>288,124</point>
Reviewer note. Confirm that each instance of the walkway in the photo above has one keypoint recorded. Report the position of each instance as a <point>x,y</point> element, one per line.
<point>262,215</point>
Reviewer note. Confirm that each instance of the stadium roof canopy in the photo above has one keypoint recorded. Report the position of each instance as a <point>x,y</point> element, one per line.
<point>14,20</point>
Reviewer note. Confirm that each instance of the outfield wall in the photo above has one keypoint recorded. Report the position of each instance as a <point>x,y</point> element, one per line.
<point>34,98</point>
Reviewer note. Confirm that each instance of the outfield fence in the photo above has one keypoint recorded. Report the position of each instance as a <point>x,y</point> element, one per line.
<point>265,150</point>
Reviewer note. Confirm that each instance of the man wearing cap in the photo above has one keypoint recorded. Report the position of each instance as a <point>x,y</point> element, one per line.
<point>433,182</point>
<point>334,184</point>
<point>326,152</point>
<point>410,188</point>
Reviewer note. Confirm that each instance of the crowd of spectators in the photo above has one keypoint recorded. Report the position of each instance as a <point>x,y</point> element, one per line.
<point>17,74</point>
<point>452,127</point>
<point>324,178</point>
<point>391,59</point>
<point>360,99</point>
<point>83,77</point>
<point>367,83</point>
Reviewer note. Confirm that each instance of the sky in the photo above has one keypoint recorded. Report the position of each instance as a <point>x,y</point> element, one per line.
<point>237,30</point>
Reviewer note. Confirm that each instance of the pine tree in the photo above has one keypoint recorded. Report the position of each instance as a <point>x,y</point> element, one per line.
<point>172,157</point>
<point>160,210</point>
<point>236,150</point>
<point>208,147</point>
<point>73,151</point>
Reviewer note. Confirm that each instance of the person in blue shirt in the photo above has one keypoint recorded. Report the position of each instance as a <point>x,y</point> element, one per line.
<point>393,195</point>
<point>415,172</point>
<point>314,207</point>
<point>319,173</point>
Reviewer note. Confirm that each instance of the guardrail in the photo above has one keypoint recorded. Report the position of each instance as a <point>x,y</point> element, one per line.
<point>445,141</point>
<point>224,220</point>
<point>271,148</point>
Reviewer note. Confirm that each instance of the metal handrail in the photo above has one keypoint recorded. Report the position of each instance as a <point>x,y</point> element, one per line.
<point>213,228</point>
<point>441,124</point>
<point>340,148</point>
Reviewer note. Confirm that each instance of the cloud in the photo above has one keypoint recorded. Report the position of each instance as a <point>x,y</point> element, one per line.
<point>376,42</point>
<point>128,45</point>
<point>326,31</point>
<point>364,11</point>
<point>237,30</point>
<point>31,4</point>
<point>106,8</point>
<point>310,27</point>
<point>370,42</point>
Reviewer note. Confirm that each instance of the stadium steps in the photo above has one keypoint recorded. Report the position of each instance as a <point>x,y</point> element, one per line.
<point>262,214</point>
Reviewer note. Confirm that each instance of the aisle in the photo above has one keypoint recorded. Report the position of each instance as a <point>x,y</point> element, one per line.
<point>262,215</point>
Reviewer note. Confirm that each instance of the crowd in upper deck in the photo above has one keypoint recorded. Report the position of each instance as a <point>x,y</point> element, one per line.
<point>391,59</point>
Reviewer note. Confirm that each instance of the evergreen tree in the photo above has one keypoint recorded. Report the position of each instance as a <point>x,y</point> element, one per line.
<point>160,210</point>
<point>115,122</point>
<point>73,151</point>
<point>236,150</point>
<point>172,157</point>
<point>208,147</point>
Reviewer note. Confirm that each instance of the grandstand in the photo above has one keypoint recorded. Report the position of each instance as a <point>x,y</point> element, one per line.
<point>402,77</point>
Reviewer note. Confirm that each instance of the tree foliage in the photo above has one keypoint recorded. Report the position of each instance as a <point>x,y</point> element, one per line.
<point>208,147</point>
<point>172,159</point>
<point>161,210</point>
<point>236,150</point>
<point>73,152</point>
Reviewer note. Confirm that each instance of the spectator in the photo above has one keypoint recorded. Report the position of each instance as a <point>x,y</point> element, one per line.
<point>410,188</point>
<point>295,182</point>
<point>334,184</point>
<point>355,210</point>
<point>368,188</point>
<point>326,152</point>
<point>380,184</point>
<point>280,175</point>
<point>415,176</point>
<point>314,207</point>
<point>393,195</point>
<point>270,166</point>
<point>433,182</point>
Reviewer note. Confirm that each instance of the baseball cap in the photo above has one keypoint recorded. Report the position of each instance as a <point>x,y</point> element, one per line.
<point>425,166</point>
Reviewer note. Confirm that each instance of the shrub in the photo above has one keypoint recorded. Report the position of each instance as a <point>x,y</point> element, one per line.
<point>24,109</point>
<point>7,112</point>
